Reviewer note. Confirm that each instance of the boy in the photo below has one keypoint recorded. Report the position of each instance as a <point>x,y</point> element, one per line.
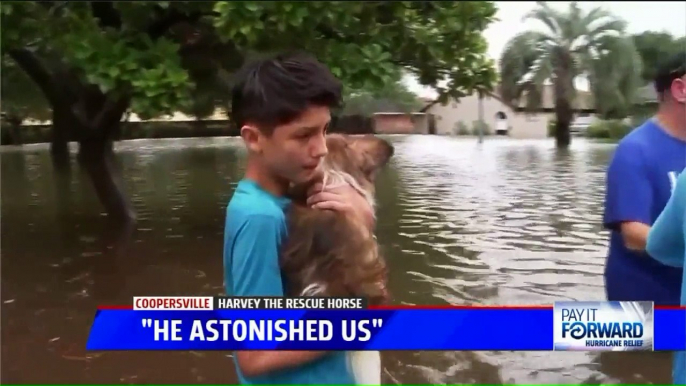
<point>282,107</point>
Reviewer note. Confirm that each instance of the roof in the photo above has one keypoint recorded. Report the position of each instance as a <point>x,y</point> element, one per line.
<point>398,113</point>
<point>583,100</point>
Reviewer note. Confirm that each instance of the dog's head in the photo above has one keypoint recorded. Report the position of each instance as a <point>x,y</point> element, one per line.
<point>352,159</point>
<point>355,159</point>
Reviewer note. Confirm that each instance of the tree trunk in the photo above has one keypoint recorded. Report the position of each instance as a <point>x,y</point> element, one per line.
<point>481,117</point>
<point>110,273</point>
<point>59,142</point>
<point>564,86</point>
<point>15,130</point>
<point>563,115</point>
<point>96,156</point>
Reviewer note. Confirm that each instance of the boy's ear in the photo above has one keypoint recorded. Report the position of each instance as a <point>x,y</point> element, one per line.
<point>251,137</point>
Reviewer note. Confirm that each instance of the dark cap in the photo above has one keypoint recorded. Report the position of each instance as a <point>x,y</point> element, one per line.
<point>672,68</point>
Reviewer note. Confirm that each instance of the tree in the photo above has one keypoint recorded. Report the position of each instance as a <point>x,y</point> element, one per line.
<point>654,47</point>
<point>393,96</point>
<point>94,61</point>
<point>21,99</point>
<point>576,43</point>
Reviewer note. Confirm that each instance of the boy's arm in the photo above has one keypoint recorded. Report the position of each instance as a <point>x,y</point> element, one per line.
<point>666,237</point>
<point>629,196</point>
<point>255,271</point>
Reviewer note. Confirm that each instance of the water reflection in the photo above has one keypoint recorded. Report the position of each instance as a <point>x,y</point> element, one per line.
<point>502,223</point>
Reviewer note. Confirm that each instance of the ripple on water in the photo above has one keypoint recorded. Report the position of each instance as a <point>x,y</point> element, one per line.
<point>509,223</point>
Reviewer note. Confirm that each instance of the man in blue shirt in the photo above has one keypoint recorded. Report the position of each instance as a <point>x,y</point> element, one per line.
<point>640,180</point>
<point>667,237</point>
<point>282,107</point>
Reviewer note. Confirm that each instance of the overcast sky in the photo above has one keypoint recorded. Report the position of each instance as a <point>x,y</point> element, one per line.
<point>668,16</point>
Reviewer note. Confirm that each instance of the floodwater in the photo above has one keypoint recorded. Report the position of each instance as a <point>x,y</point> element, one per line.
<point>506,222</point>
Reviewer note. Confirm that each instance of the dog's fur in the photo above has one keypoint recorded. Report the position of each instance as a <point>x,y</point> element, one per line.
<point>328,253</point>
<point>331,254</point>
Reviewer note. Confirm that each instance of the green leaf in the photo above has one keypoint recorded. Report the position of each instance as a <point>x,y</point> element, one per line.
<point>302,12</point>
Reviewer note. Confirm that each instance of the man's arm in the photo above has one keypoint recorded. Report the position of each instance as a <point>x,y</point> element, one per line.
<point>256,272</point>
<point>629,196</point>
<point>666,237</point>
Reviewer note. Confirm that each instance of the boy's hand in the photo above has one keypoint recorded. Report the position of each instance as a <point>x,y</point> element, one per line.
<point>343,199</point>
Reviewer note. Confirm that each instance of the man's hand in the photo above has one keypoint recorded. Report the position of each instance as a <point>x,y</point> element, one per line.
<point>635,235</point>
<point>343,198</point>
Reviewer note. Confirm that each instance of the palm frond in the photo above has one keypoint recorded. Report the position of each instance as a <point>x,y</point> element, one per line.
<point>615,26</point>
<point>615,75</point>
<point>517,61</point>
<point>545,16</point>
<point>596,14</point>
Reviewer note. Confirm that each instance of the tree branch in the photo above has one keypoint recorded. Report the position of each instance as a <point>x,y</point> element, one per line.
<point>105,12</point>
<point>159,27</point>
<point>428,106</point>
<point>110,115</point>
<point>38,72</point>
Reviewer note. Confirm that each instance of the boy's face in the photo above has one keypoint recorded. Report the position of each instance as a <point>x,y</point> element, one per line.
<point>293,151</point>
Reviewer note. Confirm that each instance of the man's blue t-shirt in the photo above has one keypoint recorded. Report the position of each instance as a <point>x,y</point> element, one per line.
<point>254,230</point>
<point>640,180</point>
<point>667,244</point>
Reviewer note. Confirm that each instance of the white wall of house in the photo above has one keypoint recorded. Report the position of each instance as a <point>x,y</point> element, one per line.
<point>519,125</point>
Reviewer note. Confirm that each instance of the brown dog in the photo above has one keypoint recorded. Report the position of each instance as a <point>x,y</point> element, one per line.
<point>328,253</point>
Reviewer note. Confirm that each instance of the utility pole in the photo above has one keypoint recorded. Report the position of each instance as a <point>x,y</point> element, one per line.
<point>481,116</point>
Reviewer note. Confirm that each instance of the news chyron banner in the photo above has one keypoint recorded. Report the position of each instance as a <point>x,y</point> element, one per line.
<point>275,323</point>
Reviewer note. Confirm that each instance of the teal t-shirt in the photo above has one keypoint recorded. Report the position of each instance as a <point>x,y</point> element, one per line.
<point>254,230</point>
<point>667,244</point>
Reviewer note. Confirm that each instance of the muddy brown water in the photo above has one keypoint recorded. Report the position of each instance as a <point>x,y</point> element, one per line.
<point>507,222</point>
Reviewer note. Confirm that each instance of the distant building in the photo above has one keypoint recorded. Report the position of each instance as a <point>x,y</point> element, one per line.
<point>402,123</point>
<point>505,119</point>
<point>646,96</point>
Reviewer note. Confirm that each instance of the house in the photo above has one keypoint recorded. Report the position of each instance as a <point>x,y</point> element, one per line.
<point>402,123</point>
<point>646,96</point>
<point>502,118</point>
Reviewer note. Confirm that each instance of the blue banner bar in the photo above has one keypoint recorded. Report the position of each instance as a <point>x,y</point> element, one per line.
<point>519,329</point>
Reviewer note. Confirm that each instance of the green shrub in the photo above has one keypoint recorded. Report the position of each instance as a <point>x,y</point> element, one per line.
<point>484,125</point>
<point>461,128</point>
<point>598,129</point>
<point>608,129</point>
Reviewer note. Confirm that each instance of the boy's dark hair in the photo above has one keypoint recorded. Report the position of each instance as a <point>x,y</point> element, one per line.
<point>275,91</point>
<point>672,68</point>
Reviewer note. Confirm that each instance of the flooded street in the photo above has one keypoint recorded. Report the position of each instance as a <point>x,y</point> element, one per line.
<point>505,222</point>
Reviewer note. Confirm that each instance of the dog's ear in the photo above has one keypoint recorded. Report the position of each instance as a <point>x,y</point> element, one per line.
<point>375,152</point>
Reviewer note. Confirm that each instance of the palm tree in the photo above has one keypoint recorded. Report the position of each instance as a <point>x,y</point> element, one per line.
<point>576,43</point>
